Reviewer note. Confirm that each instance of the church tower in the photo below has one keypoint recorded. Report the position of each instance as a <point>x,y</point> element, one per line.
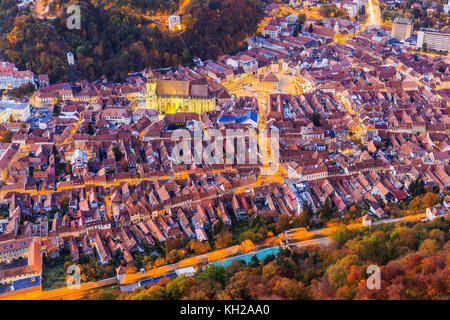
<point>150,94</point>
<point>151,88</point>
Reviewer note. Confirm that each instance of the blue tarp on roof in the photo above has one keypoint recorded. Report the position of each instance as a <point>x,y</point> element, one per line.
<point>226,118</point>
<point>251,115</point>
<point>27,283</point>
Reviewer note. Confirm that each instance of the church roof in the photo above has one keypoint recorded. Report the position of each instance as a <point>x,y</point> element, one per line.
<point>172,88</point>
<point>181,88</point>
<point>199,90</point>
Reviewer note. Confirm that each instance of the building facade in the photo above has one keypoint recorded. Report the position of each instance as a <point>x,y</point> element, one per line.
<point>18,111</point>
<point>174,22</point>
<point>434,39</point>
<point>401,29</point>
<point>11,78</point>
<point>171,96</point>
<point>21,265</point>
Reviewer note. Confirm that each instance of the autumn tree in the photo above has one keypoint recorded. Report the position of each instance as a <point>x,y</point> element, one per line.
<point>173,243</point>
<point>282,223</point>
<point>64,202</point>
<point>224,239</point>
<point>6,136</point>
<point>159,262</point>
<point>199,247</point>
<point>305,218</point>
<point>131,268</point>
<point>340,235</point>
<point>428,247</point>
<point>246,246</point>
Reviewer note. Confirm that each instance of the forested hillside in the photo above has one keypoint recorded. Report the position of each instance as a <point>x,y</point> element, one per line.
<point>115,40</point>
<point>414,262</point>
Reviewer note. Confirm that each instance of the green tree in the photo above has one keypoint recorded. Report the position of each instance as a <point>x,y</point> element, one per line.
<point>326,213</point>
<point>7,136</point>
<point>301,20</point>
<point>305,218</point>
<point>315,119</point>
<point>90,130</point>
<point>56,109</point>
<point>216,273</point>
<point>64,202</point>
<point>224,239</point>
<point>117,153</point>
<point>340,235</point>
<point>424,47</point>
<point>337,275</point>
<point>282,223</point>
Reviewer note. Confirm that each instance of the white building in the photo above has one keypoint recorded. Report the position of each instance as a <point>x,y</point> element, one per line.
<point>367,220</point>
<point>271,31</point>
<point>436,211</point>
<point>70,59</point>
<point>187,271</point>
<point>434,39</point>
<point>351,8</point>
<point>249,64</point>
<point>117,116</point>
<point>19,111</point>
<point>78,159</point>
<point>11,78</point>
<point>174,22</point>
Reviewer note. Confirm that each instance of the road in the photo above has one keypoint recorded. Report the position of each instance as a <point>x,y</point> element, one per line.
<point>74,130</point>
<point>301,234</point>
<point>64,293</point>
<point>115,183</point>
<point>163,19</point>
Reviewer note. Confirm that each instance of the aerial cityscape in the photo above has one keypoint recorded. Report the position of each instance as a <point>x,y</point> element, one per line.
<point>224,150</point>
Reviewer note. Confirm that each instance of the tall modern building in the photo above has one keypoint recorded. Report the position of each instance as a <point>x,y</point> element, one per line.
<point>401,29</point>
<point>434,39</point>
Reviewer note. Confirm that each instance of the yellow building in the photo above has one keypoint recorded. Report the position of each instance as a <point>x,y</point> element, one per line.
<point>401,29</point>
<point>171,96</point>
<point>4,114</point>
